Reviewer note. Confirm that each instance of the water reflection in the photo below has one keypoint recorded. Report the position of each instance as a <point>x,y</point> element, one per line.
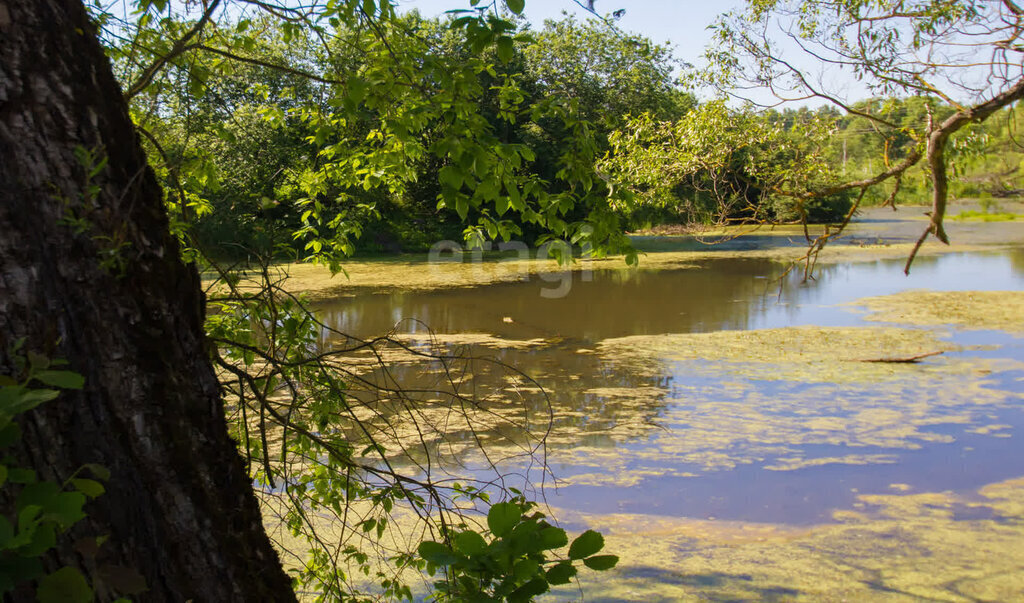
<point>650,439</point>
<point>719,294</point>
<point>614,303</point>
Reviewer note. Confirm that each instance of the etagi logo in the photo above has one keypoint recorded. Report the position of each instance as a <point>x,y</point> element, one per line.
<point>516,262</point>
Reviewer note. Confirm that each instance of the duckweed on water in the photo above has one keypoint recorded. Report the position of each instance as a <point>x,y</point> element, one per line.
<point>1002,310</point>
<point>450,340</point>
<point>719,411</point>
<point>901,547</point>
<point>982,216</point>
<point>807,354</point>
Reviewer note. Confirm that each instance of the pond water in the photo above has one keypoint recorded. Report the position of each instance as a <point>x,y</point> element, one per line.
<point>636,458</point>
<point>728,293</point>
<point>636,428</point>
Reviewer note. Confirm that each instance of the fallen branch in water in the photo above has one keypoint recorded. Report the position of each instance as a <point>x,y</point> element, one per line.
<point>906,360</point>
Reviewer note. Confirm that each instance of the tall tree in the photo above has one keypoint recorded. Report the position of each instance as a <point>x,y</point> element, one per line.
<point>965,52</point>
<point>90,273</point>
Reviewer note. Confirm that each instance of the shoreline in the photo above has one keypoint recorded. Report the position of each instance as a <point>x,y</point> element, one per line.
<point>879,234</point>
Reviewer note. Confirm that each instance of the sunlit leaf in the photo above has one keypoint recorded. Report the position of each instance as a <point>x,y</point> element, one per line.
<point>503,517</point>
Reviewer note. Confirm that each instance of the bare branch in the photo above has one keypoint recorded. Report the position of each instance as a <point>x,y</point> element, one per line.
<point>261,63</point>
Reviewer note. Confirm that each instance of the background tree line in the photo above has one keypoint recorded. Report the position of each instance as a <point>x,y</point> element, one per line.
<point>251,139</point>
<point>725,164</point>
<point>253,146</point>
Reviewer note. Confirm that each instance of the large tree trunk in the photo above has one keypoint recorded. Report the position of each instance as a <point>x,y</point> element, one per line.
<point>89,272</point>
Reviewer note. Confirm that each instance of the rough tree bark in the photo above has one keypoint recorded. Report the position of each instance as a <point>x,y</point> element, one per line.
<point>90,273</point>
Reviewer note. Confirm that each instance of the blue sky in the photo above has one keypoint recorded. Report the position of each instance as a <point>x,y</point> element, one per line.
<point>682,23</point>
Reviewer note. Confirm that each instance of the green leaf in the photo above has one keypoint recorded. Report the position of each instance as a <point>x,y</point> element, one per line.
<point>505,49</point>
<point>66,585</point>
<point>37,361</point>
<point>501,205</point>
<point>516,200</point>
<point>561,573</point>
<point>469,543</point>
<point>10,434</point>
<point>26,400</point>
<point>586,544</point>
<point>553,538</point>
<point>20,475</point>
<point>356,89</point>
<point>65,379</point>
<point>450,176</point>
<point>523,538</point>
<point>462,207</point>
<point>20,569</point>
<point>526,592</point>
<point>62,507</point>
<point>38,493</point>
<point>601,562</point>
<point>516,6</point>
<point>524,569</point>
<point>66,508</point>
<point>503,517</point>
<point>99,471</point>
<point>436,553</point>
<point>88,487</point>
<point>41,538</point>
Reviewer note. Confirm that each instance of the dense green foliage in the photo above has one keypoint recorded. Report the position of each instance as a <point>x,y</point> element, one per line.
<point>311,142</point>
<point>718,164</point>
<point>308,145</point>
<point>513,565</point>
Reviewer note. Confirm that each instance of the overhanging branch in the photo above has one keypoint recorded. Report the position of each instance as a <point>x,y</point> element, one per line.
<point>179,47</point>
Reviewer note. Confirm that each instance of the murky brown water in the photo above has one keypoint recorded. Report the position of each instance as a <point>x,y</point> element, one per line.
<point>666,437</point>
<point>721,294</point>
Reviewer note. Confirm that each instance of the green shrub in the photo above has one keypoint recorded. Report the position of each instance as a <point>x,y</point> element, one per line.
<point>818,210</point>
